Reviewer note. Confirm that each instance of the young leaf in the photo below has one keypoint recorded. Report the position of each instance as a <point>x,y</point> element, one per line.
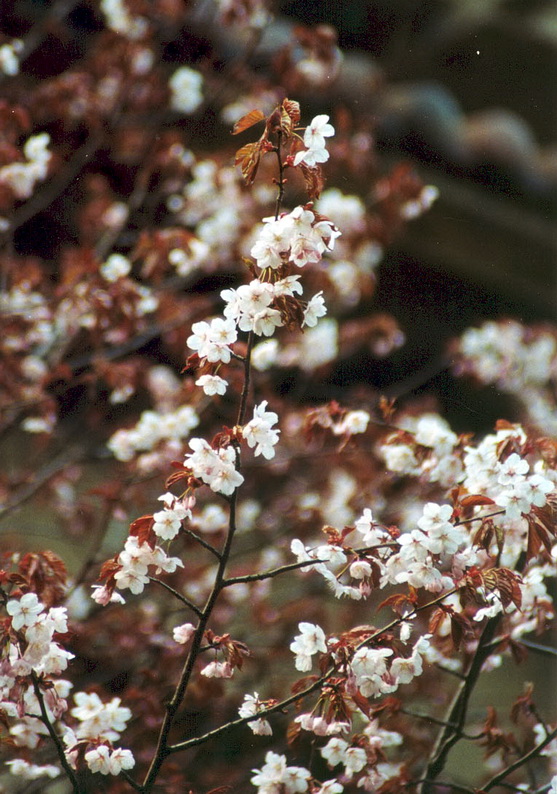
<point>247,121</point>
<point>248,158</point>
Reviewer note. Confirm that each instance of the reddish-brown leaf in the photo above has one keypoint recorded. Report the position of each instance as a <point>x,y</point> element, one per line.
<point>142,529</point>
<point>524,704</point>
<point>476,499</point>
<point>247,121</point>
<point>248,158</point>
<point>292,109</point>
<point>398,602</point>
<point>313,179</point>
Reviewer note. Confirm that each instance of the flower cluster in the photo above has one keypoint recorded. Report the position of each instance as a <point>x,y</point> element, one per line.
<point>519,360</point>
<point>299,237</point>
<point>133,567</point>
<point>29,692</point>
<point>22,177</point>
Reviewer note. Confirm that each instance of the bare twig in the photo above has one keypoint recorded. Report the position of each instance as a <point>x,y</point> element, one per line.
<point>177,595</point>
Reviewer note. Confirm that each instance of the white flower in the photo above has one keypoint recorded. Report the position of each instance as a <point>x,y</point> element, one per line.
<point>115,267</point>
<point>24,611</point>
<point>538,488</point>
<point>310,641</point>
<point>330,787</point>
<point>120,759</point>
<point>312,157</point>
<point>251,706</point>
<point>404,670</point>
<point>9,60</point>
<point>334,751</point>
<point>354,422</point>
<point>512,469</point>
<point>370,661</point>
<point>271,773</point>
<point>186,90</point>
<point>167,524</point>
<point>317,131</point>
<point>98,759</point>
<point>316,308</point>
<point>360,569</point>
<point>354,760</point>
<point>259,432</point>
<point>216,469</point>
<point>26,771</point>
<point>516,500</point>
<point>434,515</point>
<point>265,322</point>
<point>212,384</point>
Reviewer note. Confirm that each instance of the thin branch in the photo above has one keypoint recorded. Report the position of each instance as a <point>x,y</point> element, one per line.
<point>436,721</point>
<point>131,781</point>
<point>53,735</point>
<point>259,577</point>
<point>203,542</point>
<point>544,650</point>
<point>479,518</point>
<point>178,595</point>
<point>535,751</point>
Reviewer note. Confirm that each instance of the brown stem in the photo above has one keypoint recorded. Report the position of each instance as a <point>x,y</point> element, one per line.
<point>163,747</point>
<point>54,736</point>
<point>456,717</point>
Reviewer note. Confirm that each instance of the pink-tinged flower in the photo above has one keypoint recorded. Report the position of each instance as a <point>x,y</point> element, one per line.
<point>218,670</point>
<point>183,633</point>
<point>24,611</point>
